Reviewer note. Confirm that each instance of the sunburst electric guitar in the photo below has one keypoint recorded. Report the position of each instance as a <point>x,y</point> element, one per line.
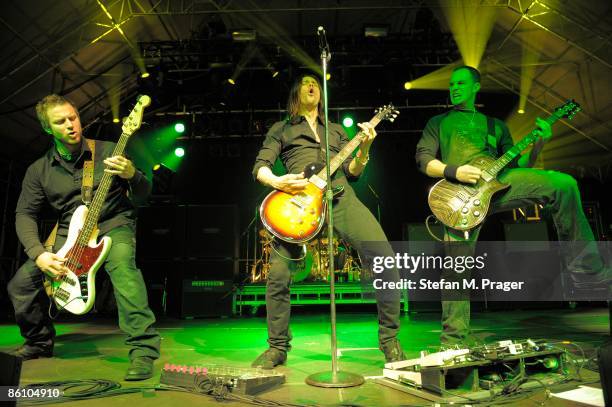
<point>465,206</point>
<point>297,218</point>
<point>75,291</point>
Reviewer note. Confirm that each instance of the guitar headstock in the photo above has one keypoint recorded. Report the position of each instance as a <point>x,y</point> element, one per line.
<point>568,110</point>
<point>134,120</point>
<point>387,112</point>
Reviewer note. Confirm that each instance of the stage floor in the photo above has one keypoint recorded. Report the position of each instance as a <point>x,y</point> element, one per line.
<point>94,349</point>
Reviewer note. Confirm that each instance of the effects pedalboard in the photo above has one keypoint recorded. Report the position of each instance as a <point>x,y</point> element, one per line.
<point>462,371</point>
<point>240,381</point>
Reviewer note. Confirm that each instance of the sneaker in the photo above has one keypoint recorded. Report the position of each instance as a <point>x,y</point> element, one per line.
<point>28,352</point>
<point>270,359</point>
<point>393,351</point>
<point>598,280</point>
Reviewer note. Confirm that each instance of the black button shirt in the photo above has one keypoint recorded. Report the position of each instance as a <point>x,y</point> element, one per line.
<point>53,181</point>
<point>296,145</point>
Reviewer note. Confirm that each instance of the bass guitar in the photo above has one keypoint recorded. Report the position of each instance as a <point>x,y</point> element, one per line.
<point>75,291</point>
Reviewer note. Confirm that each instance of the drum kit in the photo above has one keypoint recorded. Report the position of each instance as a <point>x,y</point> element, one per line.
<point>314,264</point>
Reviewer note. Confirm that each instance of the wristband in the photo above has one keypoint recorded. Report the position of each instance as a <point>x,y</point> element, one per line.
<point>359,161</point>
<point>450,172</point>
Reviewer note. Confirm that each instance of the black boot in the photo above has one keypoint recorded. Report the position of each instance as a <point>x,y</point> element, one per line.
<point>270,359</point>
<point>393,351</point>
<point>141,368</point>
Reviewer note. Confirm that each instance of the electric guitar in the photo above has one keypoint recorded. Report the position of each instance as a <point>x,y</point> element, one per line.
<point>465,206</point>
<point>75,291</point>
<point>297,218</point>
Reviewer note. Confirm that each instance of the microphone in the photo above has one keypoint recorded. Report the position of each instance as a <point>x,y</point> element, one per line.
<point>323,45</point>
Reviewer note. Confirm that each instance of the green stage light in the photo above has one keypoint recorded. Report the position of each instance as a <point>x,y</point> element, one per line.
<point>179,127</point>
<point>179,151</point>
<point>347,121</point>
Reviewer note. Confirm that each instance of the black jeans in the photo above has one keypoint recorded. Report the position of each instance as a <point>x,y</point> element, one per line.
<point>529,186</point>
<point>354,223</point>
<point>135,317</point>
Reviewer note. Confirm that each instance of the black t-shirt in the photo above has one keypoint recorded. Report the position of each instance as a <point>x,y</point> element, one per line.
<point>456,137</point>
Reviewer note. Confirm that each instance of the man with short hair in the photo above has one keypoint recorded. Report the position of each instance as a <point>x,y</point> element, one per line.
<point>451,140</point>
<point>55,181</point>
<point>297,142</point>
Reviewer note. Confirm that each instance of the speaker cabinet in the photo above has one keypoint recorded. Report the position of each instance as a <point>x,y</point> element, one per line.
<point>206,298</point>
<point>10,372</point>
<point>212,232</point>
<point>526,232</point>
<point>161,232</point>
<point>604,358</point>
<point>190,288</point>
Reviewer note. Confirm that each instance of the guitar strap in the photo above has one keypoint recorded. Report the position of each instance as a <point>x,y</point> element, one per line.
<point>491,137</point>
<point>88,174</point>
<point>86,191</point>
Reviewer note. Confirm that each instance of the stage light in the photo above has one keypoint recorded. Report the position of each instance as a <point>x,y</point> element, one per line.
<point>408,85</point>
<point>179,151</point>
<point>437,79</point>
<point>145,75</point>
<point>471,25</point>
<point>376,31</point>
<point>163,177</point>
<point>521,111</point>
<point>347,121</point>
<point>116,120</point>
<point>246,34</point>
<point>328,76</point>
<point>529,61</point>
<point>179,127</point>
<point>231,81</point>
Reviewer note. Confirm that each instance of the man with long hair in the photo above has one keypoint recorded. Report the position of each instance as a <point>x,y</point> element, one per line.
<point>451,140</point>
<point>55,181</point>
<point>297,142</point>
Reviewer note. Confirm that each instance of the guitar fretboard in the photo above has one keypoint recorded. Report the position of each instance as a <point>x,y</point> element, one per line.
<point>511,154</point>
<point>348,149</point>
<point>96,206</point>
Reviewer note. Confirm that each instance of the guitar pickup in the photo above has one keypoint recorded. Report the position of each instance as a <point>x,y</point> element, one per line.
<point>297,203</point>
<point>486,176</point>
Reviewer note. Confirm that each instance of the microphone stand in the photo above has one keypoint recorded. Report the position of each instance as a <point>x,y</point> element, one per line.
<point>335,378</point>
<point>247,232</point>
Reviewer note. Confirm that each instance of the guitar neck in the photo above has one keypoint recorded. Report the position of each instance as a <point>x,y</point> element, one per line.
<point>511,154</point>
<point>348,149</point>
<point>91,221</point>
